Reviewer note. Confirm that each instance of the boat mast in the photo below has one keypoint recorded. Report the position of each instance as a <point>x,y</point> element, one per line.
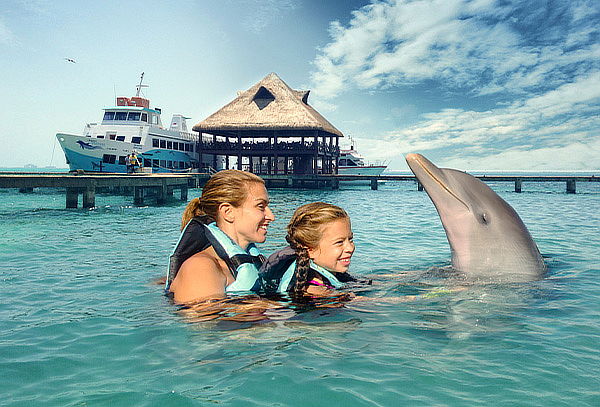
<point>140,86</point>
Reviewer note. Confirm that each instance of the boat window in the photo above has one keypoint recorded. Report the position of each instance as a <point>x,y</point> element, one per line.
<point>155,163</point>
<point>342,161</point>
<point>121,160</point>
<point>155,142</point>
<point>120,138</point>
<point>163,144</point>
<point>100,136</point>
<point>169,164</point>
<point>133,116</point>
<point>121,116</point>
<point>163,163</point>
<point>154,119</point>
<point>147,162</point>
<point>169,145</point>
<point>145,117</point>
<point>109,158</point>
<point>136,140</point>
<point>109,115</point>
<point>351,163</point>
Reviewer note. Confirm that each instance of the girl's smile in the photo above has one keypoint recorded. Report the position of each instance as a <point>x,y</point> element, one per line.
<point>335,249</point>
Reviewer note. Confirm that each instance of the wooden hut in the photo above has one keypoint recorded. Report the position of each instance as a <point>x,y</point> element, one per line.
<point>270,129</point>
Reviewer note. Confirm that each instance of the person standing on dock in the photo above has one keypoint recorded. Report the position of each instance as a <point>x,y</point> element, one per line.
<point>128,164</point>
<point>134,161</point>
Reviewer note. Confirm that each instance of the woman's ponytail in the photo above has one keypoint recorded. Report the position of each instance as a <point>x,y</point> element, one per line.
<point>193,209</point>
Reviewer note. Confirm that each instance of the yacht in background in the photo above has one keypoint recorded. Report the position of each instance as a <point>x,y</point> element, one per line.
<point>351,162</point>
<point>132,126</point>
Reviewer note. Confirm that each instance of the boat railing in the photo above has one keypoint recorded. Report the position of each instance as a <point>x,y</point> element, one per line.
<point>189,136</point>
<point>281,146</point>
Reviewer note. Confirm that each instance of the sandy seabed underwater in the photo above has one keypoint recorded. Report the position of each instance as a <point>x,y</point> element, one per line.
<point>83,324</point>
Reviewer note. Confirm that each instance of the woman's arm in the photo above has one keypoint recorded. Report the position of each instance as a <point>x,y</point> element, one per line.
<point>199,278</point>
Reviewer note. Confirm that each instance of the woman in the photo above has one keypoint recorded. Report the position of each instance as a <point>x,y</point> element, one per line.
<point>234,206</point>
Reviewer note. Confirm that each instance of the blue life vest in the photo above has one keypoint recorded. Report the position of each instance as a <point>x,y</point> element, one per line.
<point>286,280</point>
<point>198,236</point>
<point>278,272</point>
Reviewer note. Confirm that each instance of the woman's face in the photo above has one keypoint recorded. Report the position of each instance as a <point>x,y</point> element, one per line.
<point>252,218</point>
<point>336,246</point>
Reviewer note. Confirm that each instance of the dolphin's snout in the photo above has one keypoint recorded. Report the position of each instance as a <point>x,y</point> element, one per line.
<point>413,157</point>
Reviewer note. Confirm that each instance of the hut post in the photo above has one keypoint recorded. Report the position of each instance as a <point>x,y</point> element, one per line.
<point>316,153</point>
<point>275,155</point>
<point>239,150</point>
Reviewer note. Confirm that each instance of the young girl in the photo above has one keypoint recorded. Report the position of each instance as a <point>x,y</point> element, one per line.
<point>216,251</point>
<point>319,255</point>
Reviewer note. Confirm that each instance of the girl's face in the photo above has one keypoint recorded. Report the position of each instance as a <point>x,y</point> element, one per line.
<point>253,217</point>
<point>336,246</point>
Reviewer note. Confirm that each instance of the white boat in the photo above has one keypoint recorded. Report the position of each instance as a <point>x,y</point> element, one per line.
<point>132,126</point>
<point>351,162</point>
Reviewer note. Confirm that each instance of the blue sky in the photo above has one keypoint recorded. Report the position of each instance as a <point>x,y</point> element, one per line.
<point>474,85</point>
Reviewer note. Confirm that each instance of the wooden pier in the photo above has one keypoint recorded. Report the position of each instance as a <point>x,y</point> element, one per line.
<point>158,186</point>
<point>161,186</point>
<point>570,181</point>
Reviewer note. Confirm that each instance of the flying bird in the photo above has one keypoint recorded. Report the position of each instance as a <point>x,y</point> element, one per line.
<point>70,60</point>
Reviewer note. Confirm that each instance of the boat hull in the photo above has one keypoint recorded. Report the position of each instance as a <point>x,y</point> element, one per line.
<point>362,170</point>
<point>103,155</point>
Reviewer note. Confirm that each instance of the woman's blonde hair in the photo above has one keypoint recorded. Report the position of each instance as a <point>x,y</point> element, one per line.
<point>304,232</point>
<point>227,186</point>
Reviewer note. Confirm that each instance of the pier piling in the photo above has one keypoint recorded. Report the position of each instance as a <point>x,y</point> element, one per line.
<point>89,197</point>
<point>71,198</point>
<point>138,196</point>
<point>184,193</point>
<point>518,184</point>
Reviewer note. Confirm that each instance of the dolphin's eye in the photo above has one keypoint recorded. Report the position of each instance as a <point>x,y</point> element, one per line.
<point>483,218</point>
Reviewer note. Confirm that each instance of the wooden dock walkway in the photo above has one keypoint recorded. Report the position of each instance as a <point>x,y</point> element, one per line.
<point>161,186</point>
<point>570,181</point>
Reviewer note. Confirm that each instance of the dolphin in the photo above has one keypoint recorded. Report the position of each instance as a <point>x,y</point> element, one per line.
<point>85,145</point>
<point>488,240</point>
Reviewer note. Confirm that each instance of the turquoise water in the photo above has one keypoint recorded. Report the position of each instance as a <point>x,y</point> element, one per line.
<point>81,322</point>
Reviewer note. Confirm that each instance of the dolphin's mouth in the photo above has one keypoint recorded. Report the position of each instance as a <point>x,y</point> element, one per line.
<point>423,163</point>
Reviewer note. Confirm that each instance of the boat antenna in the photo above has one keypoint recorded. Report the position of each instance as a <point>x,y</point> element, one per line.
<point>140,86</point>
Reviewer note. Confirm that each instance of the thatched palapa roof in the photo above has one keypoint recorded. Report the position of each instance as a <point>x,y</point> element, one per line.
<point>268,105</point>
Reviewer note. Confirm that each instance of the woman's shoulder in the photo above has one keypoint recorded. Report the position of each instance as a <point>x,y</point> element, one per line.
<point>200,276</point>
<point>204,261</point>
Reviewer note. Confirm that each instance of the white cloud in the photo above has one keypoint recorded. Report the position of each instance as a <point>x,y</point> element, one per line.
<point>559,129</point>
<point>474,44</point>
<point>542,61</point>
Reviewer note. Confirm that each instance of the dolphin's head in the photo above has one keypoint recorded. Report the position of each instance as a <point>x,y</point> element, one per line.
<point>487,238</point>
